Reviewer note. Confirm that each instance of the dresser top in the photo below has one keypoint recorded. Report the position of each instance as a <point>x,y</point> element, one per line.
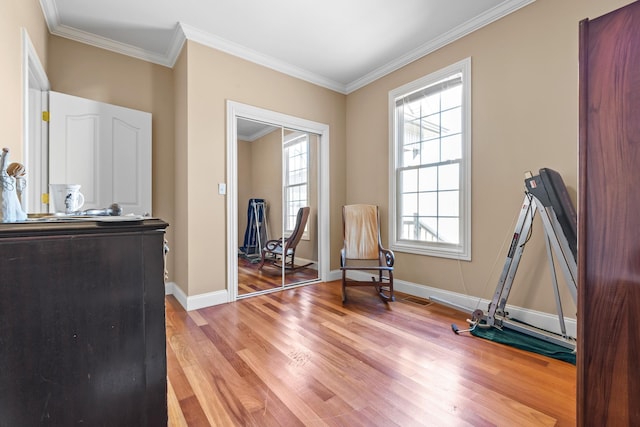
<point>87,225</point>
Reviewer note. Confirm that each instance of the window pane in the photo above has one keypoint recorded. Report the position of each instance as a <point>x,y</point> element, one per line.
<point>452,97</point>
<point>430,104</point>
<point>409,180</point>
<point>451,148</point>
<point>448,203</point>
<point>411,155</point>
<point>428,178</point>
<point>431,126</point>
<point>409,204</point>
<point>429,229</point>
<point>449,177</point>
<point>452,121</point>
<point>449,230</point>
<point>291,196</point>
<point>408,228</point>
<point>428,203</point>
<point>412,110</point>
<point>430,152</point>
<point>411,130</point>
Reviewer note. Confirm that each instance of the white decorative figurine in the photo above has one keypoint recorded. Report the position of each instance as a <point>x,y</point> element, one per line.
<point>10,207</point>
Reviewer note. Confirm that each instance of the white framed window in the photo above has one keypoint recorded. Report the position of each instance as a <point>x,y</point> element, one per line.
<point>296,178</point>
<point>430,164</point>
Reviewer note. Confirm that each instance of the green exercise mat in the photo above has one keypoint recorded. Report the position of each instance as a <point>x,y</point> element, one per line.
<point>526,342</point>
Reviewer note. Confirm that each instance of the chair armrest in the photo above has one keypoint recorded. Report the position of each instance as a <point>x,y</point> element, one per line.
<point>272,244</point>
<point>389,257</point>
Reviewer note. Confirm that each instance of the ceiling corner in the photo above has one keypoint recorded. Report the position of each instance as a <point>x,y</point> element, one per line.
<point>50,12</point>
<point>177,42</point>
<point>223,45</point>
<point>454,34</point>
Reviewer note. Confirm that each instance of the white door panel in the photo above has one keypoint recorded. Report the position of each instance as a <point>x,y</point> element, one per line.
<point>74,158</point>
<point>103,147</point>
<point>128,151</point>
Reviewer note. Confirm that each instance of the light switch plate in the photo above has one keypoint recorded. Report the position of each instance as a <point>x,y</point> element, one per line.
<point>222,188</point>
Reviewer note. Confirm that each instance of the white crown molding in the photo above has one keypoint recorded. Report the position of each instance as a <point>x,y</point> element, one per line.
<point>467,28</point>
<point>114,46</point>
<point>185,32</point>
<point>256,135</point>
<point>218,43</point>
<point>175,46</point>
<point>52,19</point>
<point>50,12</point>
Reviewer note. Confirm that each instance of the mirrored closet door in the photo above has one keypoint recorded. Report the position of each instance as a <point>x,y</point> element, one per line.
<point>278,199</point>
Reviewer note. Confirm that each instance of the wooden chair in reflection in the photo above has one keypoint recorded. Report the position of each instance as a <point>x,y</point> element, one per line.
<point>363,251</point>
<point>282,252</point>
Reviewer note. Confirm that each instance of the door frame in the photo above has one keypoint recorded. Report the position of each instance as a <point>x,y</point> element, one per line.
<point>34,132</point>
<point>237,110</point>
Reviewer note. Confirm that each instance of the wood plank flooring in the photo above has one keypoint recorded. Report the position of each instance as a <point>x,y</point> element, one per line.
<point>251,280</point>
<point>301,358</point>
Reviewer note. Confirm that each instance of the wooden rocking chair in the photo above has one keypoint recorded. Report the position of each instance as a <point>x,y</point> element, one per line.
<point>363,251</point>
<point>284,248</point>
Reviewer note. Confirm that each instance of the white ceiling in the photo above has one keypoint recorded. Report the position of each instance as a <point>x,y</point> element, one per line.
<point>339,44</point>
<point>249,130</point>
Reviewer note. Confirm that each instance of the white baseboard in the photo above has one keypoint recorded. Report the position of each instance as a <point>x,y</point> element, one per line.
<point>334,275</point>
<point>308,263</point>
<point>196,302</point>
<point>546,321</point>
<point>169,288</point>
<point>539,319</point>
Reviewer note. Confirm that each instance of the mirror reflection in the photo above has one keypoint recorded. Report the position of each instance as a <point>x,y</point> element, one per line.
<point>277,207</point>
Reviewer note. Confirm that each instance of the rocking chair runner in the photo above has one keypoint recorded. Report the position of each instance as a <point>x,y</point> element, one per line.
<point>285,247</point>
<point>363,250</point>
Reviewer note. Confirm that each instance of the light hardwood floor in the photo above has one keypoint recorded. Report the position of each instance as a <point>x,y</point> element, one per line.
<point>251,280</point>
<point>301,358</point>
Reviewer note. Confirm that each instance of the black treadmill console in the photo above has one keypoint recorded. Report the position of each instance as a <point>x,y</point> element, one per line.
<point>549,188</point>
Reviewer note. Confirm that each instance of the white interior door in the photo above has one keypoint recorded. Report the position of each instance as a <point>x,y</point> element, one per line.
<point>103,147</point>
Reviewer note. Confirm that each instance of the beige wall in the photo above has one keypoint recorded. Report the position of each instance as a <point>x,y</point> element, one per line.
<point>525,96</point>
<point>266,179</point>
<point>525,117</point>
<point>189,136</point>
<point>82,70</point>
<point>15,15</point>
<point>214,77</point>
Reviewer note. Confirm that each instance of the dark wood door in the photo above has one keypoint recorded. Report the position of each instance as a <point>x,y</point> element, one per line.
<point>609,220</point>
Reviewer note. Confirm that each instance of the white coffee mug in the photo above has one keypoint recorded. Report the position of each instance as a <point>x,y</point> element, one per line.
<point>66,198</point>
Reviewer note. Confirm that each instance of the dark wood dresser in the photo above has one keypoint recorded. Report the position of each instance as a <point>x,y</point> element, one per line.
<point>82,323</point>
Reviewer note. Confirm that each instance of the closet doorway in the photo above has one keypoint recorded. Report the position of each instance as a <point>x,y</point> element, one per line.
<point>277,179</point>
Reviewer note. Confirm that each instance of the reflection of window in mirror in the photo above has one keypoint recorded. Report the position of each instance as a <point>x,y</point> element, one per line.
<point>296,179</point>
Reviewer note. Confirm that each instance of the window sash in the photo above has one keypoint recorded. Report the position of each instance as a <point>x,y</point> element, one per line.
<point>435,211</point>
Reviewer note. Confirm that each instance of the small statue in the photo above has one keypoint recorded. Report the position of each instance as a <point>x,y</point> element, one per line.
<point>10,207</point>
<point>17,171</point>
